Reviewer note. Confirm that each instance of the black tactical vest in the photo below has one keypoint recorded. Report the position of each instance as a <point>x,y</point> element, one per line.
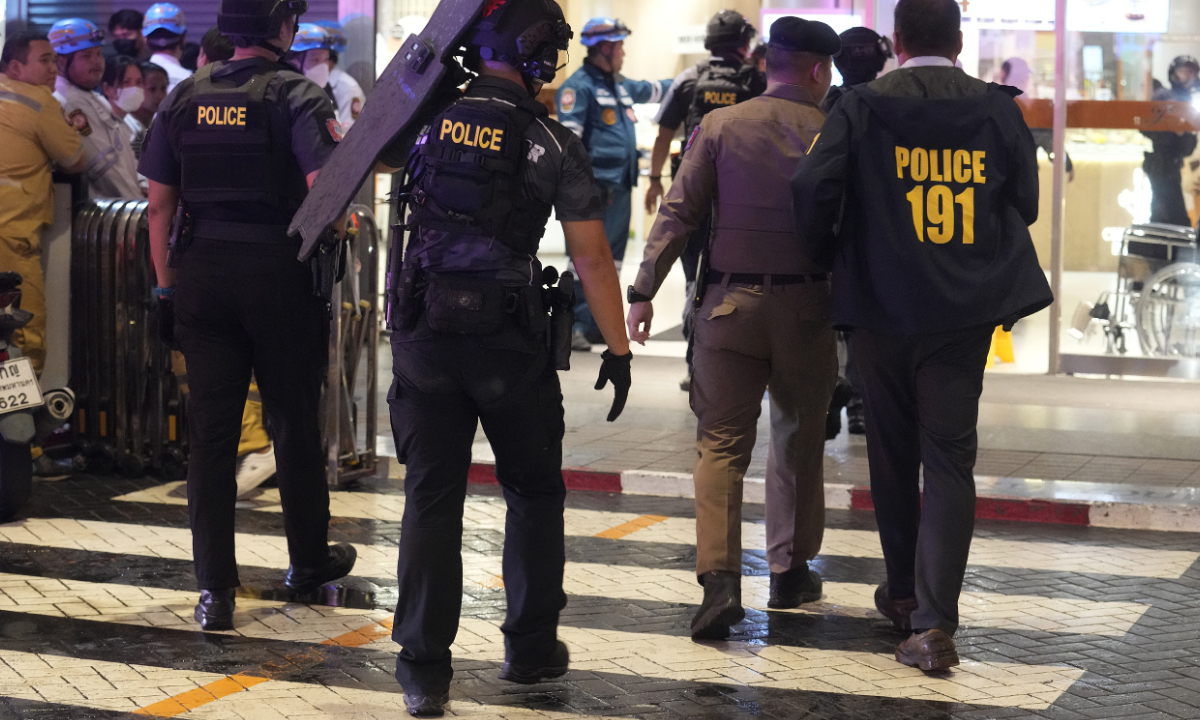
<point>467,174</point>
<point>235,146</point>
<point>721,85</point>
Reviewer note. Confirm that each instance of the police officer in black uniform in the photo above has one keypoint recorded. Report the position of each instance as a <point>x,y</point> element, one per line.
<point>469,345</point>
<point>1164,164</point>
<point>917,196</point>
<point>862,57</point>
<point>727,78</point>
<point>239,143</point>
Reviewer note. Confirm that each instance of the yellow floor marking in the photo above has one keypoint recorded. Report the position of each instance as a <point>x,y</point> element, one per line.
<point>620,531</point>
<point>227,686</point>
<point>493,582</point>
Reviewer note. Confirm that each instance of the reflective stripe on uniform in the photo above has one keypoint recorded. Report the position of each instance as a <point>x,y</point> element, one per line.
<point>28,102</point>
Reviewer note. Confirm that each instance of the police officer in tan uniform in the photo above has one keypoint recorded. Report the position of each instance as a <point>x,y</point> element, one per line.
<point>763,325</point>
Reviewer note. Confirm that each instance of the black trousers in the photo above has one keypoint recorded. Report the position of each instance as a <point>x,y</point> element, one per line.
<point>443,386</point>
<point>921,397</point>
<point>242,308</point>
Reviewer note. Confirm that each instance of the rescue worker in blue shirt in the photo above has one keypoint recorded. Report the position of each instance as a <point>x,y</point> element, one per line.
<point>596,103</point>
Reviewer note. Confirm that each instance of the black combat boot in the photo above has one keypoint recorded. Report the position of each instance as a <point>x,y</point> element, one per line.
<point>340,563</point>
<point>794,587</point>
<point>722,606</point>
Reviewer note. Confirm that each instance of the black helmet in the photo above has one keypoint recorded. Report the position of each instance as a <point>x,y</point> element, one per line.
<point>1182,61</point>
<point>728,30</point>
<point>863,55</point>
<point>256,19</point>
<point>527,34</point>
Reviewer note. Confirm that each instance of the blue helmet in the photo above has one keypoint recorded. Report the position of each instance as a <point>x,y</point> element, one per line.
<point>602,29</point>
<point>164,16</point>
<point>311,36</point>
<point>75,34</point>
<point>336,36</point>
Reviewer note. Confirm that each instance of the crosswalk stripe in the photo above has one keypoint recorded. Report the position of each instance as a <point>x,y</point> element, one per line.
<point>1013,612</point>
<point>172,609</point>
<point>488,512</point>
<point>1033,687</point>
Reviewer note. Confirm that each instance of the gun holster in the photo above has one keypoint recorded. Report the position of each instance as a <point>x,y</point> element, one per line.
<point>559,301</point>
<point>181,234</point>
<point>328,265</point>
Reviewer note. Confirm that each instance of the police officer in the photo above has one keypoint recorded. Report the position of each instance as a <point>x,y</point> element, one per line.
<point>240,143</point>
<point>348,95</point>
<point>722,80</point>
<point>862,57</point>
<point>596,103</point>
<point>107,141</point>
<point>34,137</point>
<point>918,196</point>
<point>762,325</point>
<point>1164,164</point>
<point>471,346</point>
<point>165,29</point>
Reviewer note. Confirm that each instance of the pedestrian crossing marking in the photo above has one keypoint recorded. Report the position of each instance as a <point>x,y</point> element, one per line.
<point>489,512</point>
<point>626,528</point>
<point>634,656</point>
<point>1013,612</point>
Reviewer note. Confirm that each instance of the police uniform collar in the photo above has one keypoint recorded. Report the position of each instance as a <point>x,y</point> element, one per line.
<point>497,87</point>
<point>223,68</point>
<point>794,93</point>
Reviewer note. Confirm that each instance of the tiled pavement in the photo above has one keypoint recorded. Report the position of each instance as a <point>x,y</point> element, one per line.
<point>96,594</point>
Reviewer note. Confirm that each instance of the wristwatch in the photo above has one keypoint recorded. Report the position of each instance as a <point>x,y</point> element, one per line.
<point>633,296</point>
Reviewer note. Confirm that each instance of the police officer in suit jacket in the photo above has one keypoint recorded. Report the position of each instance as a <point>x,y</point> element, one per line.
<point>918,196</point>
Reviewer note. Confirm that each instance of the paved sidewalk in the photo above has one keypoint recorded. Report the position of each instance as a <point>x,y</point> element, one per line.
<point>1059,622</point>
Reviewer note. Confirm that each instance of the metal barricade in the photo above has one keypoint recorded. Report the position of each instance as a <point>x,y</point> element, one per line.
<point>351,410</point>
<point>131,406</point>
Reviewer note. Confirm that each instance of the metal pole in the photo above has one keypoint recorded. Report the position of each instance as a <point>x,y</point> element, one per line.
<point>1058,209</point>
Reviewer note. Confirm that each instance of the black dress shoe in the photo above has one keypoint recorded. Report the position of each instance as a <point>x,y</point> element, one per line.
<point>421,705</point>
<point>794,587</point>
<point>340,563</point>
<point>215,609</point>
<point>722,606</point>
<point>554,666</point>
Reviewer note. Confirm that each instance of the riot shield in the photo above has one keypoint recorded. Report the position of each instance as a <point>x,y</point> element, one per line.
<point>410,81</point>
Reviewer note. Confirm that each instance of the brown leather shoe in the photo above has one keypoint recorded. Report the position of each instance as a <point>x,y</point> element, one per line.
<point>931,650</point>
<point>898,611</point>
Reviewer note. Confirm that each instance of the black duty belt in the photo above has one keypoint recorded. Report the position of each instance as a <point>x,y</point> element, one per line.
<point>721,278</point>
<point>242,232</point>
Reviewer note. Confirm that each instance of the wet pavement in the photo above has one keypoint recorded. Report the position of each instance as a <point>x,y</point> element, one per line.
<point>96,595</point>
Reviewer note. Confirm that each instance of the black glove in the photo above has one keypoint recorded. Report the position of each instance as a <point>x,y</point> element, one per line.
<point>615,368</point>
<point>164,310</point>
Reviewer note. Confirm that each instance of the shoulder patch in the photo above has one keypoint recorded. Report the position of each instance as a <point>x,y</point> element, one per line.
<point>567,100</point>
<point>78,120</point>
<point>335,129</point>
<point>692,139</point>
<point>609,116</point>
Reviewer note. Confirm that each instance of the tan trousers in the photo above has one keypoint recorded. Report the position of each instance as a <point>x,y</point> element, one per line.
<point>748,340</point>
<point>24,256</point>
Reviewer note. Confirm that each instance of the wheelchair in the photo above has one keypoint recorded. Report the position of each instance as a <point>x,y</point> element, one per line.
<point>1157,295</point>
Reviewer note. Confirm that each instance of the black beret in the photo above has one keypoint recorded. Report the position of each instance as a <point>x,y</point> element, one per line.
<point>799,35</point>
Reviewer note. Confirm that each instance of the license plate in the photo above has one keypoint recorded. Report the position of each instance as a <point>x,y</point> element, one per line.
<point>19,389</point>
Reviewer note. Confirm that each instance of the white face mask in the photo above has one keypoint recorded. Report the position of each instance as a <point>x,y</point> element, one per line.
<point>319,74</point>
<point>130,98</point>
